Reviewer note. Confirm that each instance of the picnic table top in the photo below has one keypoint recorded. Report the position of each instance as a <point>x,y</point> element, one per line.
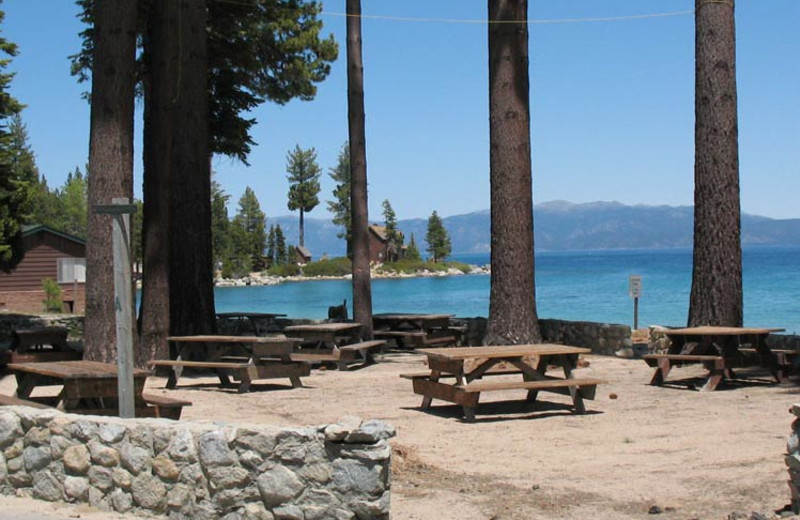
<point>502,351</point>
<point>409,316</point>
<point>73,369</point>
<point>323,327</point>
<point>720,331</point>
<point>34,331</point>
<point>250,315</point>
<point>232,339</point>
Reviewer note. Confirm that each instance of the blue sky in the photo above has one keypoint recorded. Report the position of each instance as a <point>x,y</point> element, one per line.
<point>612,105</point>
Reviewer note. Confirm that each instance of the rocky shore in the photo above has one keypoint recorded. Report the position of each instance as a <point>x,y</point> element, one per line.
<point>258,278</point>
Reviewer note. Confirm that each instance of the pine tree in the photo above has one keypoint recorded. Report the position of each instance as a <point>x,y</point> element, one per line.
<point>271,246</point>
<point>437,238</point>
<point>14,189</point>
<point>220,224</point>
<point>393,235</point>
<point>304,172</point>
<point>281,253</point>
<point>74,204</point>
<point>252,223</point>
<point>412,251</point>
<point>340,206</point>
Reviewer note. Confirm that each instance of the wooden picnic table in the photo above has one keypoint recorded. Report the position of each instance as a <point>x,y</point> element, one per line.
<point>337,344</point>
<point>468,380</point>
<point>88,387</point>
<point>719,350</point>
<point>34,344</point>
<point>249,321</point>
<point>416,329</point>
<point>245,358</point>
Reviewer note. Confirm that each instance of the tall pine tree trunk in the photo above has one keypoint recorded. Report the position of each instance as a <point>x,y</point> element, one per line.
<point>512,300</point>
<point>302,230</point>
<point>110,162</point>
<point>716,297</point>
<point>161,52</point>
<point>362,290</point>
<point>191,279</point>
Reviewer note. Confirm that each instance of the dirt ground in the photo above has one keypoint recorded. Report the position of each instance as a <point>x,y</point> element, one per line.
<point>693,455</point>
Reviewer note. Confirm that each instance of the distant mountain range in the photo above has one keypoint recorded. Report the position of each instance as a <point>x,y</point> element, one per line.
<point>561,225</point>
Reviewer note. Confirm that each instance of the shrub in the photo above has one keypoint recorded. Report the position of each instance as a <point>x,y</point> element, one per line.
<point>329,267</point>
<point>284,270</point>
<point>52,296</point>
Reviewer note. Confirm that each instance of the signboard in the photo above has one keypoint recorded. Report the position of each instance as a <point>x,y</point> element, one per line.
<point>635,286</point>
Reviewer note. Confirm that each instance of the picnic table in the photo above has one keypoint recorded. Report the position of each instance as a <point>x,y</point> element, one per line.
<point>244,358</point>
<point>255,322</point>
<point>335,343</point>
<point>40,344</point>
<point>469,365</point>
<point>416,329</point>
<point>88,387</point>
<point>719,350</point>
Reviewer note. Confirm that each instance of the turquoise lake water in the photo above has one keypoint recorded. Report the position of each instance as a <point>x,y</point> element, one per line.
<point>582,285</point>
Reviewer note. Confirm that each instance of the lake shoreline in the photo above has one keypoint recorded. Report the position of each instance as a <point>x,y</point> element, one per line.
<point>257,279</point>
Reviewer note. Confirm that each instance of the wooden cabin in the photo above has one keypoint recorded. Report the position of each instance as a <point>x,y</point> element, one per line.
<point>302,255</point>
<point>380,249</point>
<point>48,254</point>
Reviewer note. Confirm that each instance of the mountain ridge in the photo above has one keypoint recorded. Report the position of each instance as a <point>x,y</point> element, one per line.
<point>561,225</point>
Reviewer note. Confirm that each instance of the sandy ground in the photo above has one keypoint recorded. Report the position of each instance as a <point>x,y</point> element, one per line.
<point>695,455</point>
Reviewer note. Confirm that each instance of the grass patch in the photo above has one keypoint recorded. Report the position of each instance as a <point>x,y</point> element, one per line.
<point>284,270</point>
<point>415,266</point>
<point>328,267</point>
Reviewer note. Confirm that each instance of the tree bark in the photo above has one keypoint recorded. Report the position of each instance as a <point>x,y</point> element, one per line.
<point>191,280</point>
<point>716,296</point>
<point>362,290</point>
<point>110,162</point>
<point>161,53</point>
<point>302,230</point>
<point>512,300</point>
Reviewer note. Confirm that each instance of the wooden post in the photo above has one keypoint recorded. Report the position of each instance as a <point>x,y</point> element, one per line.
<point>121,210</point>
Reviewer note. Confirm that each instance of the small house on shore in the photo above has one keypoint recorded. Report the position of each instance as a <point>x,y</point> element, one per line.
<point>49,253</point>
<point>380,248</point>
<point>302,255</point>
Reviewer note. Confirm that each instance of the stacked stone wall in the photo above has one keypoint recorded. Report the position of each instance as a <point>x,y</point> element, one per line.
<point>187,470</point>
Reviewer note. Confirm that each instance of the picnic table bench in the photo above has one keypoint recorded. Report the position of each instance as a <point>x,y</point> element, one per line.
<point>88,387</point>
<point>254,323</point>
<point>720,350</point>
<point>243,358</point>
<point>338,344</point>
<point>415,330</point>
<point>466,391</point>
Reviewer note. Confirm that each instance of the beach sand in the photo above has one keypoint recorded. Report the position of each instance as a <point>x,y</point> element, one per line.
<point>692,454</point>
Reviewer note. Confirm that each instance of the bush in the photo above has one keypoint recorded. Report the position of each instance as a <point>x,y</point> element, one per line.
<point>331,267</point>
<point>284,270</point>
<point>52,296</point>
<point>408,266</point>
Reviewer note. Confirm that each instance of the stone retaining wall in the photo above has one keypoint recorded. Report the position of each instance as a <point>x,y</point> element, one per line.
<point>13,321</point>
<point>602,338</point>
<point>187,470</point>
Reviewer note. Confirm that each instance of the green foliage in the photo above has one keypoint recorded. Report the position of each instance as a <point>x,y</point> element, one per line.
<point>74,205</point>
<point>284,270</point>
<point>393,235</point>
<point>303,176</point>
<point>271,246</point>
<point>258,50</point>
<point>329,267</point>
<point>412,251</point>
<point>438,240</point>
<point>248,232</point>
<point>281,252</point>
<point>340,206</point>
<point>220,225</point>
<point>52,296</point>
<point>15,188</point>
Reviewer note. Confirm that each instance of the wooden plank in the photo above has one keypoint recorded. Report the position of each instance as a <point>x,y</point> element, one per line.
<point>196,364</point>
<point>43,356</point>
<point>720,331</point>
<point>494,371</point>
<point>488,386</point>
<point>8,400</point>
<point>315,358</point>
<point>281,370</point>
<point>363,345</point>
<point>446,365</point>
<point>72,369</point>
<point>449,393</point>
<point>100,388</point>
<point>505,351</point>
<point>653,359</point>
<point>165,401</point>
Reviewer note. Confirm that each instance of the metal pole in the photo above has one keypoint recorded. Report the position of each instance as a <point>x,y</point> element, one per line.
<point>636,313</point>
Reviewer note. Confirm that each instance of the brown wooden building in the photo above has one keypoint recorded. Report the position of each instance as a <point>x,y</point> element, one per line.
<point>48,254</point>
<point>380,250</point>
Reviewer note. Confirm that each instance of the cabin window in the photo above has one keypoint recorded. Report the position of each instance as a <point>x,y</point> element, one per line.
<point>71,270</point>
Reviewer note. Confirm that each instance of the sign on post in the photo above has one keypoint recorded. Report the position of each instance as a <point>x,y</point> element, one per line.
<point>635,291</point>
<point>121,211</point>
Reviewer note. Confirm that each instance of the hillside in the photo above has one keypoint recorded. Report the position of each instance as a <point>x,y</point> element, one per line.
<point>561,225</point>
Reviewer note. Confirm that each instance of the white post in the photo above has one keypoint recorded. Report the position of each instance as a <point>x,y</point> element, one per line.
<point>121,210</point>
